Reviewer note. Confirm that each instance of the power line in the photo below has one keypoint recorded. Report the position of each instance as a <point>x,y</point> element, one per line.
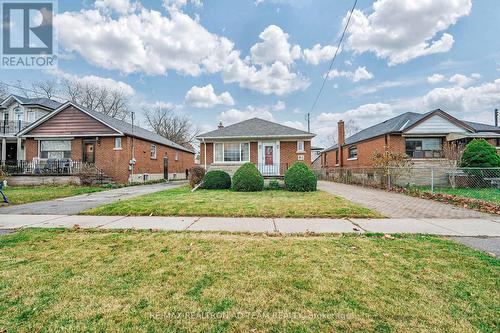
<point>334,57</point>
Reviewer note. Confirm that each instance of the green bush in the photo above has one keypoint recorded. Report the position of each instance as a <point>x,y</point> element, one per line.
<point>299,178</point>
<point>274,185</point>
<point>248,179</point>
<point>480,154</point>
<point>216,180</point>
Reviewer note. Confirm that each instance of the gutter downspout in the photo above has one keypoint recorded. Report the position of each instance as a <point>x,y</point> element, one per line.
<point>205,153</point>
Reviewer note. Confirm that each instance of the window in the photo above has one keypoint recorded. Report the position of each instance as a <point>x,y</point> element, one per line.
<point>232,152</point>
<point>424,147</point>
<point>336,157</point>
<point>55,149</point>
<point>300,146</point>
<point>118,143</point>
<point>353,153</point>
<point>153,152</point>
<point>31,116</point>
<point>176,156</point>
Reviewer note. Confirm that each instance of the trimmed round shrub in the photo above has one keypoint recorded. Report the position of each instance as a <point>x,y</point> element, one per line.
<point>299,178</point>
<point>248,179</point>
<point>216,180</point>
<point>480,154</point>
<point>196,175</point>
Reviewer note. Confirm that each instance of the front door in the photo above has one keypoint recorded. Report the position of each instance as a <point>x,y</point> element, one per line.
<point>89,152</point>
<point>165,168</point>
<point>270,166</point>
<point>11,152</point>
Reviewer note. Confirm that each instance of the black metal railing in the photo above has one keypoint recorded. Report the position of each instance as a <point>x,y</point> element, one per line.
<point>44,167</point>
<point>12,127</point>
<point>276,169</point>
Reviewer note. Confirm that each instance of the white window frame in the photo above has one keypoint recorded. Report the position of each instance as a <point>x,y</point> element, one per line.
<point>299,148</point>
<point>55,139</point>
<point>153,152</point>
<point>118,146</point>
<point>223,156</point>
<point>349,153</point>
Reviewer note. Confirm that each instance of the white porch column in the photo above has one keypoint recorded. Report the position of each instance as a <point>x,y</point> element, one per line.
<point>4,150</point>
<point>20,156</point>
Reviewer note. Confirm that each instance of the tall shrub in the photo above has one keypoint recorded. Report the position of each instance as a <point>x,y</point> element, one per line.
<point>480,154</point>
<point>248,179</point>
<point>216,180</point>
<point>299,178</point>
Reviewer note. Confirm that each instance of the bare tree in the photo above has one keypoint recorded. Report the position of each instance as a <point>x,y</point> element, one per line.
<point>453,152</point>
<point>47,88</point>
<point>171,125</point>
<point>4,92</point>
<point>351,128</point>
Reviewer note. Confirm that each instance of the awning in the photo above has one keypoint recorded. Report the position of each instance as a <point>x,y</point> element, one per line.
<point>478,135</point>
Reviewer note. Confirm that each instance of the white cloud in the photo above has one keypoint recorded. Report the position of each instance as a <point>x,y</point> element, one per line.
<point>294,124</point>
<point>120,6</point>
<point>361,73</point>
<point>235,116</point>
<point>370,89</point>
<point>367,113</point>
<point>279,106</point>
<point>93,80</point>
<point>435,78</point>
<point>143,41</point>
<point>461,80</point>
<point>274,79</point>
<point>274,47</point>
<point>479,98</point>
<point>319,54</point>
<point>403,30</point>
<point>205,97</point>
<point>178,4</point>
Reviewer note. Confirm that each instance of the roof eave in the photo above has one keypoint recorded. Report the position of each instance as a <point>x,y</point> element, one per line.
<point>240,137</point>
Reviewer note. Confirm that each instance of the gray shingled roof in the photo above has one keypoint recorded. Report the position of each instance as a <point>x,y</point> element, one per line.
<point>398,124</point>
<point>255,128</point>
<point>139,132</point>
<point>42,101</point>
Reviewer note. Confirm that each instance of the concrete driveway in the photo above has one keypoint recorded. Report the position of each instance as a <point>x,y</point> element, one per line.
<point>395,205</point>
<point>79,203</point>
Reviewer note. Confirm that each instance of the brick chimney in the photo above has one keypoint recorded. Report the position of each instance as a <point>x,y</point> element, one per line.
<point>220,125</point>
<point>341,133</point>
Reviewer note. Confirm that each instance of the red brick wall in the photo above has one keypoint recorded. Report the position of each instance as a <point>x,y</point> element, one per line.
<point>210,153</point>
<point>365,151</point>
<point>288,152</point>
<point>254,152</point>
<point>115,163</point>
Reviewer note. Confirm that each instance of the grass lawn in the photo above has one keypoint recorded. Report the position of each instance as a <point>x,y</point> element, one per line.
<point>280,203</point>
<point>24,194</point>
<point>74,281</point>
<point>486,194</point>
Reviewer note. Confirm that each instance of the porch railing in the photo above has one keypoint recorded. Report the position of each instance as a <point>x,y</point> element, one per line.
<point>12,127</point>
<point>47,167</point>
<point>277,169</point>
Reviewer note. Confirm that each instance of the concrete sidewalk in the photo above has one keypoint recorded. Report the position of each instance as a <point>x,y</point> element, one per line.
<point>445,227</point>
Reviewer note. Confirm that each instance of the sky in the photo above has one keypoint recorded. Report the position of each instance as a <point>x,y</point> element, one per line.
<point>226,60</point>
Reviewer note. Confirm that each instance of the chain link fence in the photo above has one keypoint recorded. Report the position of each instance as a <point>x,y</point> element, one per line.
<point>477,183</point>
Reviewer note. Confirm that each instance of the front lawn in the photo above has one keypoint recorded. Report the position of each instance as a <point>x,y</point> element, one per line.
<point>76,281</point>
<point>24,194</point>
<point>279,203</point>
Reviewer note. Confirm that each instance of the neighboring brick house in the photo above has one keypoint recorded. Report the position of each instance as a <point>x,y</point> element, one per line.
<point>270,146</point>
<point>124,152</point>
<point>420,136</point>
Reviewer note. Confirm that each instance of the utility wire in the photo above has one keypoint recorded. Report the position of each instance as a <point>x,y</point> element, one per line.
<point>334,57</point>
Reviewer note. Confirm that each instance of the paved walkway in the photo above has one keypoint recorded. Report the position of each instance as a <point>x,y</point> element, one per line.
<point>395,205</point>
<point>446,227</point>
<point>79,203</point>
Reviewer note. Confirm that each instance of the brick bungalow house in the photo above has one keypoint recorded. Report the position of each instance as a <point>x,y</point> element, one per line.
<point>270,146</point>
<point>124,152</point>
<point>420,136</point>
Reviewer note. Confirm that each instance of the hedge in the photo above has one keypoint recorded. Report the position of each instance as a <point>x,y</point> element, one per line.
<point>299,178</point>
<point>248,179</point>
<point>216,180</point>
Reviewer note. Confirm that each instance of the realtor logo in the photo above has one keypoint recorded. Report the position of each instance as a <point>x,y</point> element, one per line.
<point>28,38</point>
